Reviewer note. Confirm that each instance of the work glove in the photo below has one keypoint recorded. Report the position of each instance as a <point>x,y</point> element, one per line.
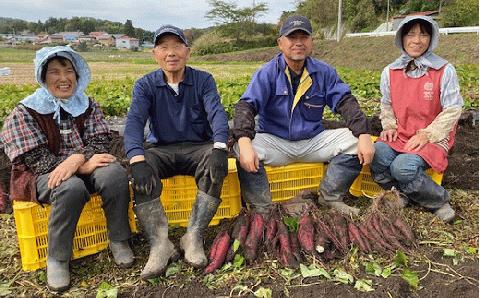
<point>143,177</point>
<point>218,165</point>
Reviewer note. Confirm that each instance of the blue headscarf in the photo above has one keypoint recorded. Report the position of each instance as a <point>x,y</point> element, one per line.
<point>428,59</point>
<point>43,101</point>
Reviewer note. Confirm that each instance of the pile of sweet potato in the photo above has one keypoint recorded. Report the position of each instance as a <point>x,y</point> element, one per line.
<point>323,235</point>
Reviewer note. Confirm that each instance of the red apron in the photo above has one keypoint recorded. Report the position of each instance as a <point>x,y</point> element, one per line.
<point>416,103</point>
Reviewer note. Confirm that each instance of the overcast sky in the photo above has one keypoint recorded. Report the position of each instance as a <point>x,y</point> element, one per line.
<point>146,14</point>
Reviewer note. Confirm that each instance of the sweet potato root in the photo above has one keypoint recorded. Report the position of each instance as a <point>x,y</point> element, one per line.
<point>220,253</point>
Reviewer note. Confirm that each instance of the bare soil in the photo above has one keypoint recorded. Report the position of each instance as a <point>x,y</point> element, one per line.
<point>440,275</point>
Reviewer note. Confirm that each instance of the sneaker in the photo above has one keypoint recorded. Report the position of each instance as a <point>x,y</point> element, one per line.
<point>445,213</point>
<point>58,275</point>
<point>122,253</point>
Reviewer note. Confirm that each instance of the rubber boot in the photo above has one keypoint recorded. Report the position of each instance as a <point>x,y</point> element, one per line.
<point>58,275</point>
<point>255,189</point>
<point>122,253</point>
<point>191,243</point>
<point>155,224</point>
<point>428,194</point>
<point>445,213</point>
<point>341,172</point>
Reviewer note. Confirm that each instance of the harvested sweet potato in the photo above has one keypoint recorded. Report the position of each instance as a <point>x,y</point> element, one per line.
<point>306,233</point>
<point>254,237</point>
<point>220,253</point>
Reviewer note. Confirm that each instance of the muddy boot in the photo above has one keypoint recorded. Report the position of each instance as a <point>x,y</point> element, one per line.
<point>340,206</point>
<point>255,189</point>
<point>445,213</point>
<point>341,172</point>
<point>428,194</point>
<point>58,275</point>
<point>122,253</point>
<point>154,221</point>
<point>191,243</point>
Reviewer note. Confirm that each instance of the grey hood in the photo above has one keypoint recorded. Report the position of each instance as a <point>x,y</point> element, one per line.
<point>428,59</point>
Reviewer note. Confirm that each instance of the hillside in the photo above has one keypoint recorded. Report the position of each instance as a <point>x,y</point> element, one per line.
<point>371,53</point>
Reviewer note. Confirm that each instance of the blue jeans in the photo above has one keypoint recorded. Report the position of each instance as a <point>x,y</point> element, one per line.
<point>391,167</point>
<point>406,172</point>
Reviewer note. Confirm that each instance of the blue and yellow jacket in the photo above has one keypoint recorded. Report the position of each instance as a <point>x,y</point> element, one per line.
<point>294,116</point>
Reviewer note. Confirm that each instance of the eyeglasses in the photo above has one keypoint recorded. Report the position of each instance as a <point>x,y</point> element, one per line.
<point>175,48</point>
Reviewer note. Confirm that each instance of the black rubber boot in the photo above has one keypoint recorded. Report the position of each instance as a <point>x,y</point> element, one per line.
<point>155,224</point>
<point>191,243</point>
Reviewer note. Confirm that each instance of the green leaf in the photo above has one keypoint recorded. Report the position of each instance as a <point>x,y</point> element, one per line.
<point>471,250</point>
<point>364,285</point>
<point>105,290</point>
<point>291,222</point>
<point>387,271</point>
<point>42,276</point>
<point>173,269</point>
<point>448,252</point>
<point>373,268</point>
<point>313,270</point>
<point>263,293</point>
<point>400,259</point>
<point>4,289</point>
<point>226,266</point>
<point>287,272</point>
<point>238,261</point>
<point>411,277</point>
<point>154,281</point>
<point>236,245</point>
<point>342,276</point>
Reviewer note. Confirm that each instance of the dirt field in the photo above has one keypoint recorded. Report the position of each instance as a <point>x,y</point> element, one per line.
<point>440,275</point>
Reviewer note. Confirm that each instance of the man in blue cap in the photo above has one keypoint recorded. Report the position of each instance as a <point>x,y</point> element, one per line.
<point>289,94</point>
<point>188,136</point>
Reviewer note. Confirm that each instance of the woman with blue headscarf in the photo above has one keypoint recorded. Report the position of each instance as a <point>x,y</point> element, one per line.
<point>420,107</point>
<point>58,140</point>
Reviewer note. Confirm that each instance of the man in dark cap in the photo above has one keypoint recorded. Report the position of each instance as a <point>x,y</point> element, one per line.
<point>289,94</point>
<point>188,136</point>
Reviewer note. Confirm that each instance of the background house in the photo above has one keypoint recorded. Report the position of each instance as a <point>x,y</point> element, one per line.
<point>71,36</point>
<point>398,19</point>
<point>127,42</point>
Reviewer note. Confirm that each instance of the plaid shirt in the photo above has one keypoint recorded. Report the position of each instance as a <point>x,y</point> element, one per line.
<point>22,137</point>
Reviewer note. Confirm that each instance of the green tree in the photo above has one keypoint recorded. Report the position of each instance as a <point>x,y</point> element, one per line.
<point>128,28</point>
<point>235,20</point>
<point>461,13</point>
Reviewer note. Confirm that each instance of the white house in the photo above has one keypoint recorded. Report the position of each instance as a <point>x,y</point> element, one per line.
<point>127,42</point>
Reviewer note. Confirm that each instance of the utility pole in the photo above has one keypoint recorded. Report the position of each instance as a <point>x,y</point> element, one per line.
<point>339,20</point>
<point>388,11</point>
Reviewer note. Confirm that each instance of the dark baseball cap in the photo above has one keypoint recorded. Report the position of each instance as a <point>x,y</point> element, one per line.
<point>169,29</point>
<point>294,23</point>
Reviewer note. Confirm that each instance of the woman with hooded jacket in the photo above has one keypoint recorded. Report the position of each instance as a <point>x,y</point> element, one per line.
<point>420,107</point>
<point>57,141</point>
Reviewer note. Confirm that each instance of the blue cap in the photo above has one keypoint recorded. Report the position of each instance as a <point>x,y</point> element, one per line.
<point>169,29</point>
<point>294,23</point>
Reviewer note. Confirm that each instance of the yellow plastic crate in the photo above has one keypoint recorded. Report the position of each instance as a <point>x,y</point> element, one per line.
<point>365,185</point>
<point>31,221</point>
<point>179,192</point>
<point>287,181</point>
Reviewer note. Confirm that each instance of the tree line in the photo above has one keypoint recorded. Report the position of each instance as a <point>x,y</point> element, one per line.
<point>366,15</point>
<point>74,24</point>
